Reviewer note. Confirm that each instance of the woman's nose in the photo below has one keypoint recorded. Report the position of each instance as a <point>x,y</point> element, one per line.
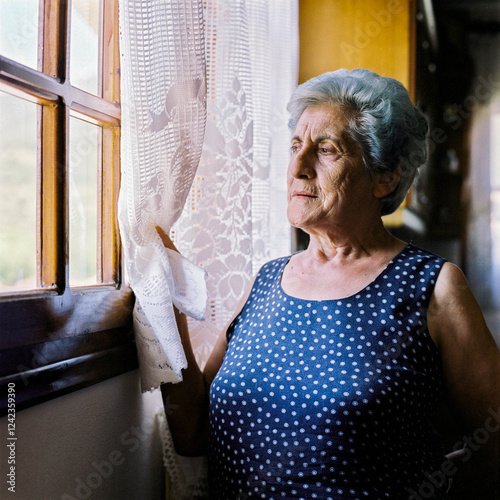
<point>302,164</point>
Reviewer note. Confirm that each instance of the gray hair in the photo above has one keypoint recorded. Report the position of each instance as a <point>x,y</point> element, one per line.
<point>389,129</point>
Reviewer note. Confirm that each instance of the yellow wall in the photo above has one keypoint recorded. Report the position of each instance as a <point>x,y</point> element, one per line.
<point>373,34</point>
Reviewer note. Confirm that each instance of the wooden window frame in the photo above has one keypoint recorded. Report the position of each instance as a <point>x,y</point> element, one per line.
<point>56,339</point>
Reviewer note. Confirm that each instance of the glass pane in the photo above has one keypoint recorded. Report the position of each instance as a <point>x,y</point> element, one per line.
<point>85,29</point>
<point>18,193</point>
<point>19,31</point>
<point>85,139</point>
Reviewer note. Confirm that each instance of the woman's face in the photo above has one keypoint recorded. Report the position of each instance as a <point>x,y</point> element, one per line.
<point>328,184</point>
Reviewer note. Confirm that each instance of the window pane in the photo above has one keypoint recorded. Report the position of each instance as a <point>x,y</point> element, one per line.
<point>85,29</point>
<point>85,140</point>
<point>18,193</point>
<point>19,31</point>
<point>495,151</point>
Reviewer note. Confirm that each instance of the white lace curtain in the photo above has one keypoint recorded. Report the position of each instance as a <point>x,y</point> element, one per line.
<point>235,216</point>
<point>204,156</point>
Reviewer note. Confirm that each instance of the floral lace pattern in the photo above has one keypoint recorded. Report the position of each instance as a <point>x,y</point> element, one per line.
<point>235,216</point>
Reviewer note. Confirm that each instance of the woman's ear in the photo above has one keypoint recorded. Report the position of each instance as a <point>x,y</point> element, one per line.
<point>385,184</point>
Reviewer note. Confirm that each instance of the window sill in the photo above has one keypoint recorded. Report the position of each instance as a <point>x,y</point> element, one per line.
<point>52,345</point>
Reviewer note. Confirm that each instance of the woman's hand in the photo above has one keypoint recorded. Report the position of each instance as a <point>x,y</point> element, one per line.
<point>166,239</point>
<point>188,422</point>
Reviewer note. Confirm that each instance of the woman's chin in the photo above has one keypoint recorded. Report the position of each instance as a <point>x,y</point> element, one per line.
<point>298,220</point>
<point>296,223</point>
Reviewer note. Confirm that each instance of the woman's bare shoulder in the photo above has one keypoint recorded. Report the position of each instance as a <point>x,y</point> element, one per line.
<point>454,314</point>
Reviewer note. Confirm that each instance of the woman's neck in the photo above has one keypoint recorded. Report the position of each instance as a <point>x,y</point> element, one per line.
<point>335,269</point>
<point>333,245</point>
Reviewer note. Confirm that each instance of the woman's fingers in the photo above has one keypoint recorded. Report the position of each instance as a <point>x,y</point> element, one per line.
<point>165,239</point>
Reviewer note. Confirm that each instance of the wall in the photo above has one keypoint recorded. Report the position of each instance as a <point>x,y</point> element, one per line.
<point>101,442</point>
<point>378,35</point>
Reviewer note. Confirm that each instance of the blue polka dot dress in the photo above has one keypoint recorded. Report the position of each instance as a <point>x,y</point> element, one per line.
<point>330,399</point>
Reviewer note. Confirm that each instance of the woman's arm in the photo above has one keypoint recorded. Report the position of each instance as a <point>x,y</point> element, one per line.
<point>186,403</point>
<point>471,366</point>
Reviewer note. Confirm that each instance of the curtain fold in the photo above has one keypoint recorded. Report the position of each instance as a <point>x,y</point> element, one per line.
<point>163,121</point>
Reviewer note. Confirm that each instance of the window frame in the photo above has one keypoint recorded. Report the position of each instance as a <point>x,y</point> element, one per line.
<point>56,339</point>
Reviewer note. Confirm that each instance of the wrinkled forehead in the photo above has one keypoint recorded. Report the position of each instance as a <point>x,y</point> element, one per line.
<point>324,121</point>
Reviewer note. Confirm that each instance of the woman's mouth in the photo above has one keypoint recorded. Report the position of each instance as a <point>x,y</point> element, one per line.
<point>303,194</point>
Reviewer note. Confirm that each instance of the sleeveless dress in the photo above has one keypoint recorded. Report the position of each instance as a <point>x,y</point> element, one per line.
<point>330,399</point>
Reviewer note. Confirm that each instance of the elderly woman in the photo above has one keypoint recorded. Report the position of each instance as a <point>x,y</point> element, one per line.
<point>327,382</point>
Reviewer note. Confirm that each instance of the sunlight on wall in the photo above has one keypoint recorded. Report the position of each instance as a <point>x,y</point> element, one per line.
<point>495,202</point>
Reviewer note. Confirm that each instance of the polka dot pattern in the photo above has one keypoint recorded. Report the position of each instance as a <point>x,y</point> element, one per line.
<point>329,399</point>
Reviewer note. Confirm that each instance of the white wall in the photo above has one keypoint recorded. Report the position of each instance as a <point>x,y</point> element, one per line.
<point>101,442</point>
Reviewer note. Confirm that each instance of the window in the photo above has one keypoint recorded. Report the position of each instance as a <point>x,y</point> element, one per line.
<point>495,206</point>
<point>65,319</point>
